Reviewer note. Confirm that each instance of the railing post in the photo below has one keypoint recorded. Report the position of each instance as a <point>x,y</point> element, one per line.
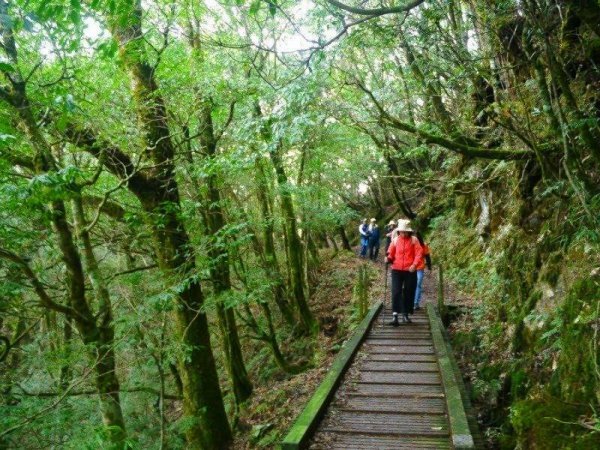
<point>440,300</point>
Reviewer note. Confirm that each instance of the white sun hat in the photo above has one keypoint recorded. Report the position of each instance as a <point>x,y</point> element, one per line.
<point>404,225</point>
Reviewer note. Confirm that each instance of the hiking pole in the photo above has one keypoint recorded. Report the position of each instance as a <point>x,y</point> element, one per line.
<point>385,293</point>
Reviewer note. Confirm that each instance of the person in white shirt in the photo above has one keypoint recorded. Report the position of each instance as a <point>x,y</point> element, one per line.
<point>363,229</point>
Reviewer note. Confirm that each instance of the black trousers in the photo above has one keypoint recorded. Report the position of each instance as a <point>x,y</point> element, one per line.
<point>404,284</point>
<point>373,250</point>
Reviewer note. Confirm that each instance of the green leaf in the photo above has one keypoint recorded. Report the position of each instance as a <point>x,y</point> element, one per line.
<point>75,12</point>
<point>6,68</point>
<point>108,49</point>
<point>254,7</point>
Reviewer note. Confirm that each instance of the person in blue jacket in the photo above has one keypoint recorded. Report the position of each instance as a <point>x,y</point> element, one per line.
<point>363,229</point>
<point>373,240</point>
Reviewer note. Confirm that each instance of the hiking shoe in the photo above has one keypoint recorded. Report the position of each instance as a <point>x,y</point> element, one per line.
<point>406,318</point>
<point>394,323</point>
<point>417,307</point>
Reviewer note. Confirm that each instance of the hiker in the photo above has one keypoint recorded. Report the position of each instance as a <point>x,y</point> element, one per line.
<point>363,229</point>
<point>404,255</point>
<point>425,261</point>
<point>389,229</point>
<point>373,240</point>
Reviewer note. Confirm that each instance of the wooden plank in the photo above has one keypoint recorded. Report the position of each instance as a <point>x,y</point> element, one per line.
<point>409,405</point>
<point>424,390</point>
<point>403,328</point>
<point>400,357</point>
<point>314,409</point>
<point>399,341</point>
<point>402,350</point>
<point>387,424</point>
<point>368,442</point>
<point>424,334</point>
<point>400,378</point>
<point>398,366</point>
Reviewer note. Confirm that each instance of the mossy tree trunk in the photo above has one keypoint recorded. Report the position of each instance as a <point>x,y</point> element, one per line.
<point>344,237</point>
<point>218,253</point>
<point>158,193</point>
<point>295,249</point>
<point>293,244</point>
<point>270,255</point>
<point>107,382</point>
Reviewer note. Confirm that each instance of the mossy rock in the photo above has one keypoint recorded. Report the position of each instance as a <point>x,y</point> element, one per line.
<point>549,423</point>
<point>580,349</point>
<point>519,384</point>
<point>550,271</point>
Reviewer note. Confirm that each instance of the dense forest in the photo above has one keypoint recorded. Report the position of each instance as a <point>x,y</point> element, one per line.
<point>181,183</point>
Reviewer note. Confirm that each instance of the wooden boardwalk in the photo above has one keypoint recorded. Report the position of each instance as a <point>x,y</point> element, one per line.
<point>392,397</point>
<point>391,388</point>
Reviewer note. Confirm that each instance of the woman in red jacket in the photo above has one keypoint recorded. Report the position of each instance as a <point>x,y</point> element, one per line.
<point>405,254</point>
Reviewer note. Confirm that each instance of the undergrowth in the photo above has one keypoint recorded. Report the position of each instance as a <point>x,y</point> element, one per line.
<point>279,397</point>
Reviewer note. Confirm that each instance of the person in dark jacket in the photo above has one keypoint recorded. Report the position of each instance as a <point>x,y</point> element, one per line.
<point>404,255</point>
<point>373,240</point>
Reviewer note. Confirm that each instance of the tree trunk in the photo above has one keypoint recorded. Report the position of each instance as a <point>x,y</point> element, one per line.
<point>219,267</point>
<point>107,382</point>
<point>65,370</point>
<point>333,242</point>
<point>158,193</point>
<point>242,387</point>
<point>295,250</point>
<point>272,266</point>
<point>202,400</point>
<point>344,237</point>
<point>589,135</point>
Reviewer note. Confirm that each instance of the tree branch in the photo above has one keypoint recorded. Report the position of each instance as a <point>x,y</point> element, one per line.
<point>376,11</point>
<point>227,122</point>
<point>135,269</point>
<point>458,147</point>
<point>38,286</point>
<point>110,208</point>
<point>114,159</point>
<point>147,390</point>
<point>6,349</point>
<point>17,160</point>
